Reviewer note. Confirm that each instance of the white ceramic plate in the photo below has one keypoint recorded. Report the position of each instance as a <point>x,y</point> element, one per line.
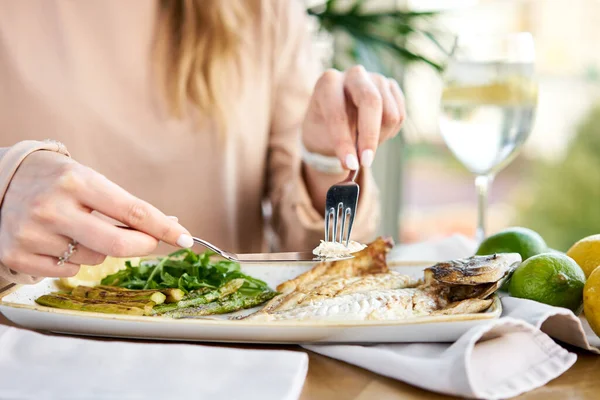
<point>18,305</point>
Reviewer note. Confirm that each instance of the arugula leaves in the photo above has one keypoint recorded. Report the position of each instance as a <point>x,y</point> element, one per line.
<point>186,270</point>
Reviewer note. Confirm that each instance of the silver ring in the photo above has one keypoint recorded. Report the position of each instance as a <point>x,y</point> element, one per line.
<point>72,249</point>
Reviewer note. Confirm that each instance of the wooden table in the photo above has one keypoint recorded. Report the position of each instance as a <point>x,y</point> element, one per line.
<point>331,379</point>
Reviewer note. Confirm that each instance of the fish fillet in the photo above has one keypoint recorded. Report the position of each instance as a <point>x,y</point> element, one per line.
<point>372,305</point>
<point>321,289</point>
<point>363,288</point>
<point>370,260</point>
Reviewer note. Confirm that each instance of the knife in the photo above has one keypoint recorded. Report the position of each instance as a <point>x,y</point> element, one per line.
<point>304,257</point>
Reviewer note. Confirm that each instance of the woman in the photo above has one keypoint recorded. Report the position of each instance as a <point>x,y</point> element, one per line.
<point>198,107</point>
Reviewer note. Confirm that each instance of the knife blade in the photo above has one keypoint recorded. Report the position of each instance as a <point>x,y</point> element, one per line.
<point>282,257</point>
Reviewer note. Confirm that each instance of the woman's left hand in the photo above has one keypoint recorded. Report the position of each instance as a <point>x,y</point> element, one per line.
<point>350,103</point>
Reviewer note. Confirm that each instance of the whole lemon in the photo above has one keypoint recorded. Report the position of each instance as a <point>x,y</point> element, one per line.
<point>586,253</point>
<point>591,300</point>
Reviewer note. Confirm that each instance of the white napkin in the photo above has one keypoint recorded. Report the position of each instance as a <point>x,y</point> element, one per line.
<point>502,359</point>
<point>40,367</point>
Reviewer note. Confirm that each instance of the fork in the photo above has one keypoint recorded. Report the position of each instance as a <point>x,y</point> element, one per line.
<point>259,257</point>
<point>303,256</point>
<point>340,204</point>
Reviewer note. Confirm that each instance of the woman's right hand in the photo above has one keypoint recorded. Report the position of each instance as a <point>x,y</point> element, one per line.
<point>49,203</point>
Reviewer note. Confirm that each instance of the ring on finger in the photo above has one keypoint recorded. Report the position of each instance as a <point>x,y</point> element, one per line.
<point>71,249</point>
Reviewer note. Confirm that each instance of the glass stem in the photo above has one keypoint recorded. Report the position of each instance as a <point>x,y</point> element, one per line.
<point>482,183</point>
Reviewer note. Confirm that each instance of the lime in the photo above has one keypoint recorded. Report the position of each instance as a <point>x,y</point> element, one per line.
<point>524,241</point>
<point>586,253</point>
<point>549,278</point>
<point>591,300</point>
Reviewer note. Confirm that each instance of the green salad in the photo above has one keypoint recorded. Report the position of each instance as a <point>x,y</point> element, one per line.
<point>183,284</point>
<point>184,270</point>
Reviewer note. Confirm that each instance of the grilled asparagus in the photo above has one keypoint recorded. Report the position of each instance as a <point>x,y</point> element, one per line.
<point>100,294</point>
<point>233,302</point>
<point>173,295</point>
<point>71,303</point>
<point>230,287</point>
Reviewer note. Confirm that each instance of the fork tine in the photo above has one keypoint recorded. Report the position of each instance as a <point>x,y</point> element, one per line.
<point>341,202</point>
<point>326,225</point>
<point>350,223</point>
<point>342,231</point>
<point>328,213</point>
<point>336,226</point>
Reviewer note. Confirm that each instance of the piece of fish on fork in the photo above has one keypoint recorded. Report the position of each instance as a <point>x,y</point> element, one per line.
<point>340,205</point>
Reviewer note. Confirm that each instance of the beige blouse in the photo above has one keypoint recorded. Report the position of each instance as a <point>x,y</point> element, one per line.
<point>79,72</point>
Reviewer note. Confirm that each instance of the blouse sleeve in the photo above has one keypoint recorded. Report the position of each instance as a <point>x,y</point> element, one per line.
<point>298,225</point>
<point>10,160</point>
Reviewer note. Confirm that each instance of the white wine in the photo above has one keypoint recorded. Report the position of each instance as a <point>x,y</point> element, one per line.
<point>486,137</point>
<point>488,106</point>
<point>488,111</point>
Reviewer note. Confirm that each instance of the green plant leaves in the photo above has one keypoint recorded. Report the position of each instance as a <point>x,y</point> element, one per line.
<point>185,270</point>
<point>376,33</point>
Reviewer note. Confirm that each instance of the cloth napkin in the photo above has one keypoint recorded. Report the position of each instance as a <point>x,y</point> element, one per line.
<point>41,367</point>
<point>501,359</point>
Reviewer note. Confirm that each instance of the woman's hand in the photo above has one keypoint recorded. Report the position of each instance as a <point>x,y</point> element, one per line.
<point>49,203</point>
<point>346,104</point>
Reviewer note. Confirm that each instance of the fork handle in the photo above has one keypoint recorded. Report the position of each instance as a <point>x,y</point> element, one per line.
<point>210,246</point>
<point>352,175</point>
<point>201,242</point>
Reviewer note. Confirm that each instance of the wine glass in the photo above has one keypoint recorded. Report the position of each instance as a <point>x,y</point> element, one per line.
<point>488,106</point>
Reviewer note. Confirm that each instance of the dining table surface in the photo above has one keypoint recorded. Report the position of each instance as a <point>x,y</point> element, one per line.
<point>332,379</point>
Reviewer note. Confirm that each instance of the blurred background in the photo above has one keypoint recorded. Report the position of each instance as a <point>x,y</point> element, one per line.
<point>553,186</point>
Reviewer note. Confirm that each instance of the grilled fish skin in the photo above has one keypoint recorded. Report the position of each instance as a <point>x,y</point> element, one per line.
<point>468,306</point>
<point>474,270</point>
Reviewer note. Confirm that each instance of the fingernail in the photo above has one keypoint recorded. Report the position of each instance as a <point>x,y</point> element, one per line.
<point>351,162</point>
<point>185,241</point>
<point>366,159</point>
<point>174,218</point>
